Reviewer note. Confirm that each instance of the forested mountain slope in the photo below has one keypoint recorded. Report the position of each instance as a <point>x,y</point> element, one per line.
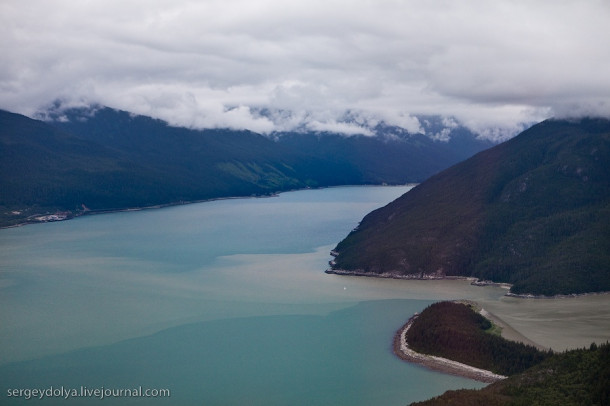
<point>533,211</point>
<point>104,159</point>
<point>574,378</point>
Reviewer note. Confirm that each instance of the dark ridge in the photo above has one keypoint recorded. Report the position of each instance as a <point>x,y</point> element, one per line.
<point>573,378</point>
<point>533,211</point>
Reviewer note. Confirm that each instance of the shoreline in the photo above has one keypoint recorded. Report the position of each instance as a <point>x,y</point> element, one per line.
<point>568,296</point>
<point>474,282</point>
<point>34,218</point>
<point>403,351</point>
<point>389,275</point>
<point>69,215</point>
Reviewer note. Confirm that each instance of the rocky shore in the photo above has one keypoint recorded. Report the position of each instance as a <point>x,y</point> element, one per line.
<point>403,351</point>
<point>389,275</point>
<point>439,276</point>
<point>530,296</point>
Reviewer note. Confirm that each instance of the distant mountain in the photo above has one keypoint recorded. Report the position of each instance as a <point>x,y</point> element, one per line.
<point>45,167</point>
<point>391,156</point>
<point>384,158</point>
<point>533,211</point>
<point>95,159</point>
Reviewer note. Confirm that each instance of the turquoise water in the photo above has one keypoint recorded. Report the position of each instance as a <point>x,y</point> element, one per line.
<point>223,303</point>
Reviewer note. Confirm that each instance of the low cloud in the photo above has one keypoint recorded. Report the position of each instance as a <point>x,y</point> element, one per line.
<point>319,65</point>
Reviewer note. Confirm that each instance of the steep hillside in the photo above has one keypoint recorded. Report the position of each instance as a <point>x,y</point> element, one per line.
<point>137,161</point>
<point>105,159</point>
<point>577,377</point>
<point>533,211</point>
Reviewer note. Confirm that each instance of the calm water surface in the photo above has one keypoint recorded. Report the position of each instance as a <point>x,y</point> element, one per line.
<point>223,303</point>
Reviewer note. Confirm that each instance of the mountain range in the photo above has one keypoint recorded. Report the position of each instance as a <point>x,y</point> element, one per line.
<point>533,212</point>
<point>84,160</point>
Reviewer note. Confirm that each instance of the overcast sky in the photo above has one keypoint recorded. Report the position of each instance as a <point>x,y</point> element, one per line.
<point>216,63</point>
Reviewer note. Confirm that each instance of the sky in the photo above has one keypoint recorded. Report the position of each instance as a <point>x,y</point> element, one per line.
<point>320,65</point>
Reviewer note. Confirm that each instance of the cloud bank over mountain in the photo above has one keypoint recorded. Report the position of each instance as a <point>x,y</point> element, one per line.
<point>321,65</point>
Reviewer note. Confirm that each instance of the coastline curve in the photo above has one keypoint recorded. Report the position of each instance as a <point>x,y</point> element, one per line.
<point>403,351</point>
